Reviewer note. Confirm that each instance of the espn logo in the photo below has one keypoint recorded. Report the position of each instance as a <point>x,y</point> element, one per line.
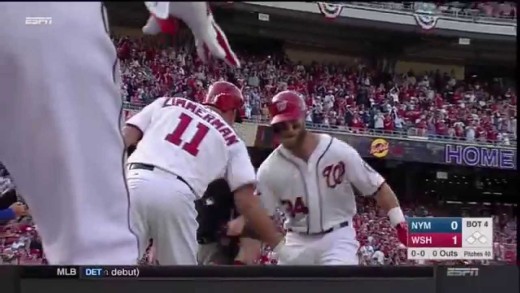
<point>38,20</point>
<point>462,272</point>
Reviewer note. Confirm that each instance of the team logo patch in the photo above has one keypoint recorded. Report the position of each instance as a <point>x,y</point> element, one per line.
<point>281,106</point>
<point>334,174</point>
<point>379,148</point>
<point>330,10</point>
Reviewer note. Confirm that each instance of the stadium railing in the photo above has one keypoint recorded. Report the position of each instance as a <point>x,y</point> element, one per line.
<point>402,135</point>
<point>463,14</point>
<point>376,133</point>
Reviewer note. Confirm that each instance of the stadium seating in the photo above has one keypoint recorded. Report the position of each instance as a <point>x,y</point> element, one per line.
<point>354,98</point>
<point>488,10</point>
<point>346,98</point>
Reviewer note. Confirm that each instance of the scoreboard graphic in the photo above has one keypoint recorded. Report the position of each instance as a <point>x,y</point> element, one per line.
<point>450,238</point>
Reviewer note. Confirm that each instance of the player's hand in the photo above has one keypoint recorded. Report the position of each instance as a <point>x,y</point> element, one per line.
<point>19,209</point>
<point>235,226</point>
<point>210,40</point>
<point>402,232</point>
<point>286,255</point>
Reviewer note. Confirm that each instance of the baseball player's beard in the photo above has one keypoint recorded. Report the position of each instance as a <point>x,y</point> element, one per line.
<point>294,142</point>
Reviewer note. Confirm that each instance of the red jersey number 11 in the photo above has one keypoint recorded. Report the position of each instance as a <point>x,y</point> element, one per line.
<point>192,146</point>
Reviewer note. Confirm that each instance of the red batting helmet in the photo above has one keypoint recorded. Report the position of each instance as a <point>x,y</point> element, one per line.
<point>287,106</point>
<point>225,96</point>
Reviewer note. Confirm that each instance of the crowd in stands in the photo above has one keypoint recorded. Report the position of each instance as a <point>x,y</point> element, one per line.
<point>19,241</point>
<point>504,9</point>
<point>352,98</point>
<point>488,9</point>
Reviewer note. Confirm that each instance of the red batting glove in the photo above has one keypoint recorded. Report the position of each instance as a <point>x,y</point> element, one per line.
<point>210,40</point>
<point>155,25</point>
<point>402,232</point>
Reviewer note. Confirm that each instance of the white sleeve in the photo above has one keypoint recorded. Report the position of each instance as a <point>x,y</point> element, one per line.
<point>240,170</point>
<point>364,178</point>
<point>267,196</point>
<point>143,119</point>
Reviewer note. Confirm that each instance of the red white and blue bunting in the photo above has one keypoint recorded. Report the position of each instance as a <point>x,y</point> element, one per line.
<point>426,18</point>
<point>330,10</point>
<point>426,22</point>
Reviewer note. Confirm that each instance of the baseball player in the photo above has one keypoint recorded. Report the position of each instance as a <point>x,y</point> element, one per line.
<point>60,121</point>
<point>182,146</point>
<point>312,177</point>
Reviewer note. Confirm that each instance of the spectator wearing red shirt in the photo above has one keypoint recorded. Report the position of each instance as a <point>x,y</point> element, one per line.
<point>356,123</point>
<point>492,134</point>
<point>459,130</point>
<point>422,127</point>
<point>441,128</point>
<point>388,123</point>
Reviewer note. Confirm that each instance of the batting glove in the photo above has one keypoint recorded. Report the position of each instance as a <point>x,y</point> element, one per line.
<point>398,221</point>
<point>402,232</point>
<point>210,40</point>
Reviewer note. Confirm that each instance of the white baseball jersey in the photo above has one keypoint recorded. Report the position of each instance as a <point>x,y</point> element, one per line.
<point>191,141</point>
<point>318,194</point>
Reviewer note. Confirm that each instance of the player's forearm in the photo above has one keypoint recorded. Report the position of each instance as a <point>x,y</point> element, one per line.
<point>258,220</point>
<point>131,135</point>
<point>250,250</point>
<point>387,200</point>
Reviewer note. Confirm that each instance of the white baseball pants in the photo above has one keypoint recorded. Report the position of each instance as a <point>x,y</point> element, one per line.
<point>338,247</point>
<point>163,209</point>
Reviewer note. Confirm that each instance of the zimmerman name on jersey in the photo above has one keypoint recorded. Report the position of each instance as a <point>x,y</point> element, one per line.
<point>192,141</point>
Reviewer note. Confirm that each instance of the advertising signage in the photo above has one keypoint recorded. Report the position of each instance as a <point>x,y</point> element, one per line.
<point>415,150</point>
<point>421,150</point>
<point>480,156</point>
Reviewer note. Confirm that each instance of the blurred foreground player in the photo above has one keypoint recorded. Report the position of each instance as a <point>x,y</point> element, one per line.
<point>60,121</point>
<point>210,40</point>
<point>182,146</point>
<point>313,178</point>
